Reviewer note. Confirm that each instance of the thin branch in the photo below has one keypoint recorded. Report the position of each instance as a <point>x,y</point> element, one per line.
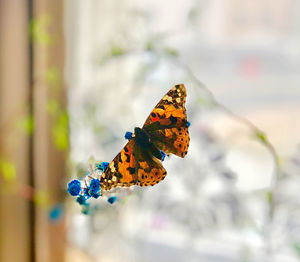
<point>258,134</point>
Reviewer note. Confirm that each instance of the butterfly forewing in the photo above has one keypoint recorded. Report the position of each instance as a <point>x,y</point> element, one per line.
<point>170,110</point>
<point>167,123</point>
<point>121,171</point>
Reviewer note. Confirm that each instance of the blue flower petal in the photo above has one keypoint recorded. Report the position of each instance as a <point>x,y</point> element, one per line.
<point>74,187</point>
<point>102,166</point>
<point>128,135</point>
<point>82,200</point>
<point>87,209</point>
<point>112,199</point>
<point>95,195</point>
<point>95,185</point>
<point>94,189</point>
<point>56,212</point>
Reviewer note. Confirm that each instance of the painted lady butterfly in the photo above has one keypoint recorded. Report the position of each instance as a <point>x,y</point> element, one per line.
<point>139,162</point>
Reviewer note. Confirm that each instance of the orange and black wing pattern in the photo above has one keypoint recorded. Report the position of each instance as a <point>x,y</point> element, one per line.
<point>121,171</point>
<point>167,124</point>
<point>132,166</point>
<point>149,169</point>
<point>167,128</point>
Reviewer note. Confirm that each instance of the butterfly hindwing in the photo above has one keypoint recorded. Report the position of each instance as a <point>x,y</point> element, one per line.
<point>167,123</point>
<point>172,141</point>
<point>149,170</point>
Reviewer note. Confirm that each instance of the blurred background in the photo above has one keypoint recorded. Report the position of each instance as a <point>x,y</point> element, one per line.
<point>76,75</point>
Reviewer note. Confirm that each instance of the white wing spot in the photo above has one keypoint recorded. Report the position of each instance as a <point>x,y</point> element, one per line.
<point>178,100</point>
<point>112,167</point>
<point>169,98</point>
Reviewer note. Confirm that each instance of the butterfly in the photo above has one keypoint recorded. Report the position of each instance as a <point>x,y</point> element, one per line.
<point>140,161</point>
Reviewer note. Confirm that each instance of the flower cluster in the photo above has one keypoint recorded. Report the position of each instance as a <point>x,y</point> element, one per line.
<point>89,186</point>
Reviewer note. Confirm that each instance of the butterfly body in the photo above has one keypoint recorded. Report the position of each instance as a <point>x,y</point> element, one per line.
<point>139,162</point>
<point>143,140</point>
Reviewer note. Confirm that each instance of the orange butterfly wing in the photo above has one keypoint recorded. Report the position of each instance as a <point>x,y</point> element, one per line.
<point>132,166</point>
<point>150,170</point>
<point>121,171</point>
<point>167,124</point>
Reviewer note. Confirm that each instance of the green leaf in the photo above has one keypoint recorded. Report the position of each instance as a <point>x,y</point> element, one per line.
<point>270,197</point>
<point>206,102</point>
<point>117,50</point>
<point>52,107</point>
<point>26,124</point>
<point>193,14</point>
<point>149,46</point>
<point>297,248</point>
<point>8,170</point>
<point>39,30</point>
<point>171,51</point>
<point>262,137</point>
<point>41,198</point>
<point>60,132</point>
<point>52,75</point>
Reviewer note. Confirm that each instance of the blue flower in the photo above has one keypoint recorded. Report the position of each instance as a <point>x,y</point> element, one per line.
<point>56,212</point>
<point>188,123</point>
<point>112,199</point>
<point>94,189</point>
<point>74,187</point>
<point>128,135</point>
<point>163,155</point>
<point>87,209</point>
<point>102,166</point>
<point>82,200</point>
<point>95,185</point>
<point>98,166</point>
<point>95,195</point>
